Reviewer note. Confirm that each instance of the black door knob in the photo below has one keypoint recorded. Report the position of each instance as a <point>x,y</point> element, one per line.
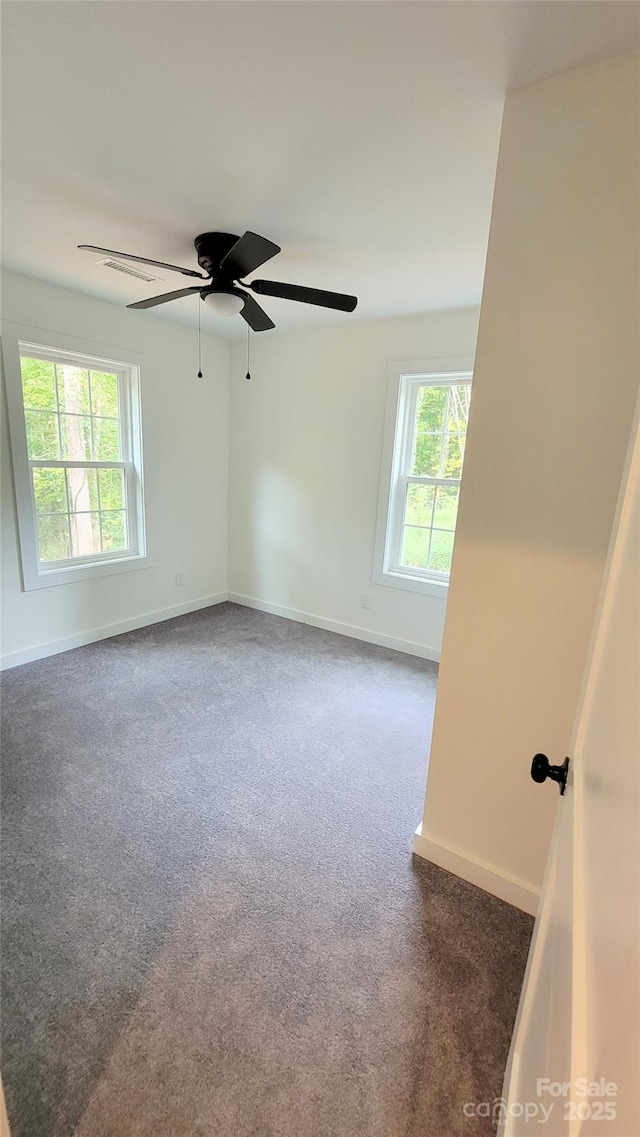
<point>541,769</point>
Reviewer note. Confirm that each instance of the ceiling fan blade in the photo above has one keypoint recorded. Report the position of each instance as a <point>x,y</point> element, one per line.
<point>256,316</point>
<point>153,300</point>
<point>248,254</point>
<point>338,300</point>
<point>144,261</point>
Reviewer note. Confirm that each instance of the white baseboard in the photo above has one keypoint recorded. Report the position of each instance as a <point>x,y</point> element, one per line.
<point>66,643</point>
<point>485,876</point>
<point>54,647</point>
<point>409,647</point>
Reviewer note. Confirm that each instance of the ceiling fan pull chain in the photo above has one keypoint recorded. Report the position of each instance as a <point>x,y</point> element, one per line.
<point>248,375</point>
<point>199,341</point>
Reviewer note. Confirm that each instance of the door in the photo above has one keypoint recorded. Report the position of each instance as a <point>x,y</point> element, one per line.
<point>574,1064</point>
<point>4,1124</point>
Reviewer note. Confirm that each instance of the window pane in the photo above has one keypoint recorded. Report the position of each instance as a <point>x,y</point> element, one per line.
<point>53,538</point>
<point>73,389</point>
<point>441,551</point>
<point>419,509</point>
<point>427,455</point>
<point>106,440</point>
<point>76,437</point>
<point>104,394</point>
<point>453,452</point>
<point>446,507</point>
<point>415,547</point>
<point>114,531</point>
<point>431,409</point>
<point>50,491</point>
<point>83,490</point>
<point>42,434</point>
<point>458,412</point>
<point>38,384</point>
<point>85,534</point>
<point>111,489</point>
<point>73,418</point>
<point>440,430</point>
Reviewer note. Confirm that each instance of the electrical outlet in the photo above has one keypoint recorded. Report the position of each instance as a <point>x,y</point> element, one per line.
<point>179,578</point>
<point>365,600</point>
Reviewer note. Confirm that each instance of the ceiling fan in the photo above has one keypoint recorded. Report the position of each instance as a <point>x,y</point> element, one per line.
<point>226,259</point>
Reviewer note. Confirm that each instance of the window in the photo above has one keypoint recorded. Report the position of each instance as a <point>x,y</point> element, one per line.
<point>77,453</point>
<point>430,411</point>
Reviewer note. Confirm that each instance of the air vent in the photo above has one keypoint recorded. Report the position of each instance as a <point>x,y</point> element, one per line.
<point>119,267</point>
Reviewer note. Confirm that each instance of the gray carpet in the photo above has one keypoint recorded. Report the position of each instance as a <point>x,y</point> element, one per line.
<point>213,926</point>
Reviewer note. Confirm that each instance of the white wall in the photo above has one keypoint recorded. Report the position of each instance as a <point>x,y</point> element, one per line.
<point>185,431</point>
<point>555,384</point>
<point>305,451</point>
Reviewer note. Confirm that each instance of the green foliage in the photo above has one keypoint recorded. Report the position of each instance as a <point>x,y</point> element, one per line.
<point>75,433</point>
<point>79,391</point>
<point>113,527</point>
<point>440,430</point>
<point>104,394</point>
<point>431,409</point>
<point>437,455</point>
<point>53,537</point>
<point>50,490</point>
<point>91,533</point>
<point>441,551</point>
<point>427,455</point>
<point>42,434</point>
<point>73,389</point>
<point>444,516</point>
<point>440,426</point>
<point>425,548</point>
<point>38,384</point>
<point>106,440</point>
<point>84,399</point>
<point>415,547</point>
<point>80,409</point>
<point>419,505</point>
<point>111,489</point>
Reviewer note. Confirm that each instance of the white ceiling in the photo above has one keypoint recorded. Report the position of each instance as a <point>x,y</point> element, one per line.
<point>361,137</point>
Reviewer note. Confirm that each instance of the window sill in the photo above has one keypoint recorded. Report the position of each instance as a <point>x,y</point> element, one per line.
<point>53,578</point>
<point>438,588</point>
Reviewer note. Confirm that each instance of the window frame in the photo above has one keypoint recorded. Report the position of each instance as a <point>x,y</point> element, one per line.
<point>404,380</point>
<point>40,344</point>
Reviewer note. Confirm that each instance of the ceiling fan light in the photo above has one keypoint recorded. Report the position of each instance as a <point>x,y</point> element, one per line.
<point>224,303</point>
